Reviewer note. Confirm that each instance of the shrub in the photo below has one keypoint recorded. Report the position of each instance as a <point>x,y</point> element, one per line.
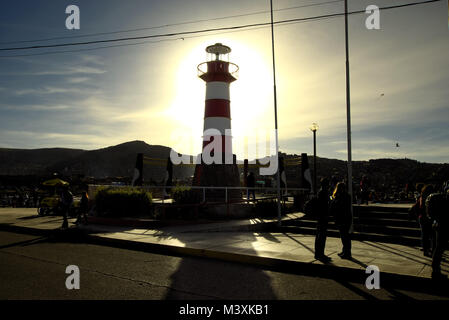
<point>186,195</point>
<point>126,201</point>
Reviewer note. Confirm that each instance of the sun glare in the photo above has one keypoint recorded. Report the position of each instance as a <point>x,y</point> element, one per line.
<point>251,98</point>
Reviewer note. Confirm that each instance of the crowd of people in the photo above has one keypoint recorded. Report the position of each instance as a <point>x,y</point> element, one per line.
<point>334,202</point>
<point>431,210</point>
<point>19,198</point>
<point>66,202</point>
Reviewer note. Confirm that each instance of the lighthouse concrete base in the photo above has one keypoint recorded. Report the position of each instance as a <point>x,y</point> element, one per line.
<point>218,175</point>
<point>230,211</point>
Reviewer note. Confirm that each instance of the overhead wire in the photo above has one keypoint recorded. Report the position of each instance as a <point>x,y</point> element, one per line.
<point>169,25</point>
<point>143,42</point>
<point>194,32</point>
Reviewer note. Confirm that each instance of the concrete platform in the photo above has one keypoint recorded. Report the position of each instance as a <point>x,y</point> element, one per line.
<point>243,241</point>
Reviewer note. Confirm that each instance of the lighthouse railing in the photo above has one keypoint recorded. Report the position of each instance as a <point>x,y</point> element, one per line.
<point>220,67</point>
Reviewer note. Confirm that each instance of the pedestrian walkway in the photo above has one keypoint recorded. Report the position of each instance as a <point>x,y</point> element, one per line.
<point>243,241</point>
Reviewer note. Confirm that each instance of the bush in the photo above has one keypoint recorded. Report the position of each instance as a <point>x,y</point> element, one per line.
<point>186,195</point>
<point>120,202</point>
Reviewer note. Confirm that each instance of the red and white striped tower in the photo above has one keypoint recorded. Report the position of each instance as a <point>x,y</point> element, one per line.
<point>217,112</point>
<point>218,73</point>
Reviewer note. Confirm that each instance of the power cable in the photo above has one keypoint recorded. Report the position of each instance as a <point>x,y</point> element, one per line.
<point>143,42</point>
<point>168,25</point>
<point>264,24</point>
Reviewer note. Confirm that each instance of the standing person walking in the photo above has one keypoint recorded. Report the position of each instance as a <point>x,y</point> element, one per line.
<point>251,184</point>
<point>424,221</point>
<point>84,207</point>
<point>364,189</point>
<point>66,202</point>
<point>437,206</point>
<point>322,214</point>
<point>340,209</point>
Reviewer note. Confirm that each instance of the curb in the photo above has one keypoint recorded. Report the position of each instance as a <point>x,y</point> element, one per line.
<point>39,232</point>
<point>272,264</point>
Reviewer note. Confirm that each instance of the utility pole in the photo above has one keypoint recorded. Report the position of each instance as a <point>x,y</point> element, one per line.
<point>314,127</point>
<point>278,174</point>
<point>348,107</point>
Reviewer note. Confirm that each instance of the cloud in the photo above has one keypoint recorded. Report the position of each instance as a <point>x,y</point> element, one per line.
<point>35,107</point>
<point>59,72</point>
<point>92,59</point>
<point>71,70</point>
<point>55,90</point>
<point>77,80</point>
<point>27,139</point>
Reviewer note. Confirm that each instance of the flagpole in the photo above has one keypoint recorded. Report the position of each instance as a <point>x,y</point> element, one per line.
<point>348,107</point>
<point>278,175</point>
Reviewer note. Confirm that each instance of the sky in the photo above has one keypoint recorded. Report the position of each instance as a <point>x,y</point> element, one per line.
<point>149,90</point>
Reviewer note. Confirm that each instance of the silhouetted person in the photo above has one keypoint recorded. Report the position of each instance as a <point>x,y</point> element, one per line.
<point>251,184</point>
<point>84,207</point>
<point>35,199</point>
<point>437,209</point>
<point>333,183</point>
<point>322,214</point>
<point>424,221</point>
<point>340,209</point>
<point>364,189</point>
<point>66,202</point>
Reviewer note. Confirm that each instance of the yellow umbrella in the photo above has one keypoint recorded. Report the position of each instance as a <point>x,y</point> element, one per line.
<point>55,182</point>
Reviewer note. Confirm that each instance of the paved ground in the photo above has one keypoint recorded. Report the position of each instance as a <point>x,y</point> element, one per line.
<point>33,267</point>
<point>222,241</point>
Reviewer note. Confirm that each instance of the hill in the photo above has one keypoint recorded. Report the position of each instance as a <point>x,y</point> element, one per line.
<point>119,161</point>
<point>114,161</point>
<point>386,174</point>
<point>29,162</point>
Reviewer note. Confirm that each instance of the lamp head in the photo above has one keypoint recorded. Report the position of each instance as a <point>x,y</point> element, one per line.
<point>314,127</point>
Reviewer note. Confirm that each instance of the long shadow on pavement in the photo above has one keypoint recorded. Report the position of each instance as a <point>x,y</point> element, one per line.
<point>218,279</point>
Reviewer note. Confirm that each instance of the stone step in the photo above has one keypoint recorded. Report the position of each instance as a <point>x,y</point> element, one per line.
<point>364,208</point>
<point>361,236</point>
<point>380,221</point>
<point>386,222</point>
<point>382,215</point>
<point>379,229</point>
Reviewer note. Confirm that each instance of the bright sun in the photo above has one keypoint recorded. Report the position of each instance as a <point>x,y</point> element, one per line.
<point>251,99</point>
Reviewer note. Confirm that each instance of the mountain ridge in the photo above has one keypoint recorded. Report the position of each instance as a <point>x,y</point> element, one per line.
<point>119,161</point>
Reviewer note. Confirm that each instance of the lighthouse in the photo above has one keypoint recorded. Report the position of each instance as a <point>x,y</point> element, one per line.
<point>218,74</point>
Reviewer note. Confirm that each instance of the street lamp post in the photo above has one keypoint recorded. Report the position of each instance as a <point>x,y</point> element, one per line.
<point>278,175</point>
<point>314,127</point>
<point>348,112</point>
